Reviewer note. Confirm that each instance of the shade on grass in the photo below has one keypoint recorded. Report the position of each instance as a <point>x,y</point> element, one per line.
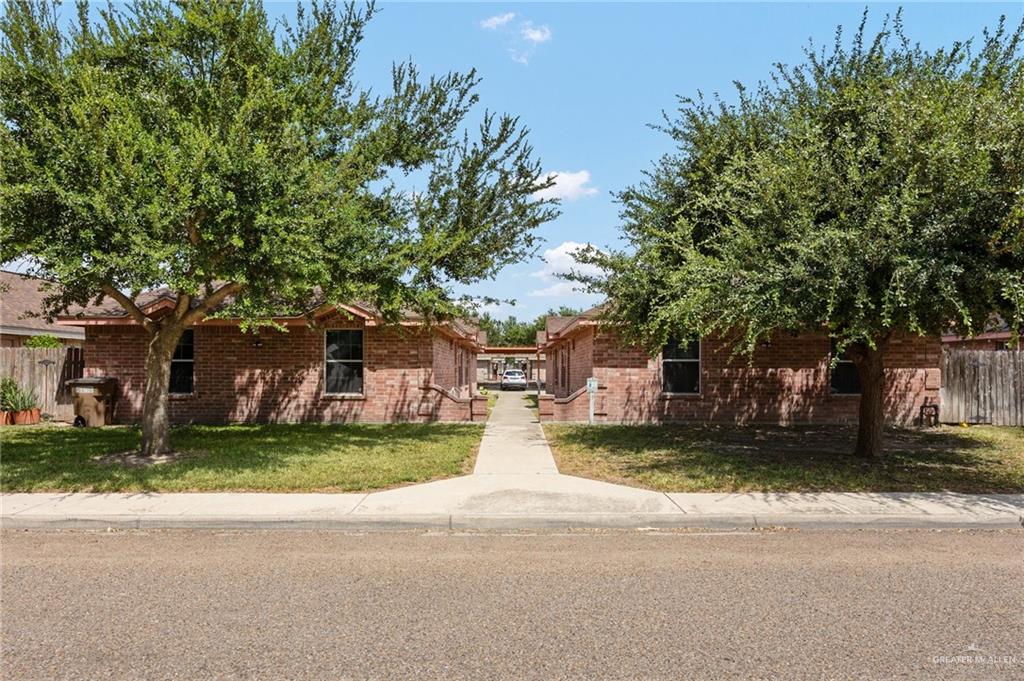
<point>720,458</point>
<point>279,457</point>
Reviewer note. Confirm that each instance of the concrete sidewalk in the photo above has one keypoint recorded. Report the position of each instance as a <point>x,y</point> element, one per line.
<point>515,502</point>
<point>515,485</point>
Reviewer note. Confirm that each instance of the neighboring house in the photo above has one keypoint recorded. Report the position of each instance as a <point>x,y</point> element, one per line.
<point>788,381</point>
<point>996,337</point>
<point>21,307</point>
<point>346,365</point>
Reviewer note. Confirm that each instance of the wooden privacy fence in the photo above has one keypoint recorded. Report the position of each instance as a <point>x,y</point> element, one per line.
<point>982,386</point>
<point>44,371</point>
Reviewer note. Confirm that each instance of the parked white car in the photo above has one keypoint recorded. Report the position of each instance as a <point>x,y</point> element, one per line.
<point>513,379</point>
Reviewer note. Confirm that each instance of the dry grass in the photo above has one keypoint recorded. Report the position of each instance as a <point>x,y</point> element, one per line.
<point>714,458</point>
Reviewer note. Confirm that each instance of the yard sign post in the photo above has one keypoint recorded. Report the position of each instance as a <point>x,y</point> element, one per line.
<point>592,394</point>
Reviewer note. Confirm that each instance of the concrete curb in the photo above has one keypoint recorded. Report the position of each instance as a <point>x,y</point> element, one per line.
<point>355,522</point>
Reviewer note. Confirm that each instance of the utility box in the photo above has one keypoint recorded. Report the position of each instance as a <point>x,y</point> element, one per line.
<point>94,399</point>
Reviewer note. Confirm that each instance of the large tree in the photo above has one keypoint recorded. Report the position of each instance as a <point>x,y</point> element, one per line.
<point>876,189</point>
<point>203,147</point>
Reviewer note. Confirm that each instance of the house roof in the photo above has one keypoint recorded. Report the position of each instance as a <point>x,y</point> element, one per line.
<point>563,327</point>
<point>21,308</point>
<point>996,328</point>
<point>158,301</point>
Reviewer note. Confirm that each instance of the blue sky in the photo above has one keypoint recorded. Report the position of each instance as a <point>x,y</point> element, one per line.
<point>587,78</point>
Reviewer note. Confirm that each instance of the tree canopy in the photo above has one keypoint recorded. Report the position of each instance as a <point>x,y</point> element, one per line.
<point>877,187</point>
<point>511,331</point>
<point>199,146</point>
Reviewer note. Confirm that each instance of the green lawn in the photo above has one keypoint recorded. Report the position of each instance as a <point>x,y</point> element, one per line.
<point>710,458</point>
<point>279,458</point>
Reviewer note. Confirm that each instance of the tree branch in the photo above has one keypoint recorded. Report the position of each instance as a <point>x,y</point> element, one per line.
<point>129,305</point>
<point>211,301</point>
<point>184,300</point>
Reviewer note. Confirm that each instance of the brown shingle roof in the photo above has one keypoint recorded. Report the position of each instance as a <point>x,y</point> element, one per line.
<point>21,307</point>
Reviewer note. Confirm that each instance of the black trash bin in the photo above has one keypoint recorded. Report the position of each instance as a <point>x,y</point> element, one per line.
<point>94,399</point>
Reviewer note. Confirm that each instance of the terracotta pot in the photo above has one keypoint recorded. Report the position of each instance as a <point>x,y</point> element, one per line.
<point>28,417</point>
<point>6,418</point>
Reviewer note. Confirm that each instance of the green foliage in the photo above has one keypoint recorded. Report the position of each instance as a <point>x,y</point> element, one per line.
<point>873,189</point>
<point>511,331</point>
<point>198,146</point>
<point>43,341</point>
<point>8,393</point>
<point>18,398</point>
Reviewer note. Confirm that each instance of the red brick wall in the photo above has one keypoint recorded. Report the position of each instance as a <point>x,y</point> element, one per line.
<point>787,382</point>
<point>453,366</point>
<point>283,379</point>
<point>580,352</point>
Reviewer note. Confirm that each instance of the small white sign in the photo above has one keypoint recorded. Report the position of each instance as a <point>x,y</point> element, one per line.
<point>591,385</point>
<point>85,390</point>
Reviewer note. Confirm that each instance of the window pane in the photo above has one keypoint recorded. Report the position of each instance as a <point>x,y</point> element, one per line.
<point>184,349</point>
<point>181,377</point>
<point>686,350</point>
<point>344,345</point>
<point>344,377</point>
<point>681,377</point>
<point>845,380</point>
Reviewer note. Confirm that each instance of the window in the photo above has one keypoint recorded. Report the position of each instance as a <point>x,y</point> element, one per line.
<point>680,367</point>
<point>844,379</point>
<point>343,362</point>
<point>183,364</point>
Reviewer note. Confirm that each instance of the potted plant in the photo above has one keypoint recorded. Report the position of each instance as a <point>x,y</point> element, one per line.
<point>8,389</point>
<point>25,408</point>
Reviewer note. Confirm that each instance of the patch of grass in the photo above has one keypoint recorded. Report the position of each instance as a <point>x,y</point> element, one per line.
<point>531,401</point>
<point>278,457</point>
<point>720,458</point>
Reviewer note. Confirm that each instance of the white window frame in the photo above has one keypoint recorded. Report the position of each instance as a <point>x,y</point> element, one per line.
<point>700,370</point>
<point>184,361</point>
<point>327,361</point>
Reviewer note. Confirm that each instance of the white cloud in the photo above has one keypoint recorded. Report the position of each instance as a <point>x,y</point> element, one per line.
<point>522,38</point>
<point>568,186</point>
<point>535,34</point>
<point>497,21</point>
<point>562,289</point>
<point>560,260</point>
<point>497,310</point>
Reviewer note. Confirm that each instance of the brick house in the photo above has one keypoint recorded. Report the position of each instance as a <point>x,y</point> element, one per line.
<point>346,365</point>
<point>21,306</point>
<point>997,336</point>
<point>789,380</point>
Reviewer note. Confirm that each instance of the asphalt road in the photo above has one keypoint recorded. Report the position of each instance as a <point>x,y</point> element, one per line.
<point>196,605</point>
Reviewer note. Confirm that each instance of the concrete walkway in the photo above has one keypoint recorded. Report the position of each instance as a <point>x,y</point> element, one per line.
<point>513,442</point>
<point>515,485</point>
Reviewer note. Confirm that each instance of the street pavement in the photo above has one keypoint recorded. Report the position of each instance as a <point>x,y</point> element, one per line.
<point>873,604</point>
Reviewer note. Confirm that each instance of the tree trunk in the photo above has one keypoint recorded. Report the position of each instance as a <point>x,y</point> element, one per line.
<point>871,371</point>
<point>156,423</point>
